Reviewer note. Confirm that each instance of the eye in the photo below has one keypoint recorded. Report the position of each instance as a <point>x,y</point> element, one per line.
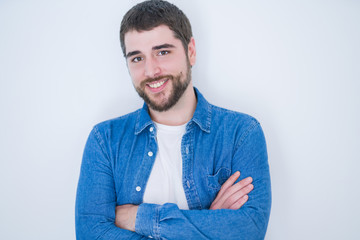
<point>164,52</point>
<point>136,59</point>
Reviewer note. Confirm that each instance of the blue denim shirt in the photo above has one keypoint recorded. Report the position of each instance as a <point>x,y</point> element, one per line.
<point>117,162</point>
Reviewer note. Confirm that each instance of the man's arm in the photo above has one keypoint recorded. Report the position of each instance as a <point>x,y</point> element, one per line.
<point>96,199</point>
<point>249,222</point>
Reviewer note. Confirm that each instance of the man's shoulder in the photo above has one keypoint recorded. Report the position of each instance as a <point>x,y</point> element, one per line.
<point>234,125</point>
<point>231,117</point>
<point>214,118</point>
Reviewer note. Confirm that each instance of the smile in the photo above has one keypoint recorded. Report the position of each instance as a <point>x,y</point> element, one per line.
<point>157,84</point>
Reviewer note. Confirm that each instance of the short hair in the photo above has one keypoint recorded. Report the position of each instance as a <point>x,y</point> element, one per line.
<point>153,13</point>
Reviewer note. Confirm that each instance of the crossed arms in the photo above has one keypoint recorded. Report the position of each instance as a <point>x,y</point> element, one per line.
<point>231,196</point>
<point>240,210</point>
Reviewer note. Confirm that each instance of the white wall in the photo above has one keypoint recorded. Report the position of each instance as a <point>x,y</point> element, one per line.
<point>294,65</point>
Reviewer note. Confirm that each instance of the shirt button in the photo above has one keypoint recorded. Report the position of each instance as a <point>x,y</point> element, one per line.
<point>151,129</point>
<point>187,150</point>
<point>138,188</point>
<point>150,154</point>
<point>150,237</point>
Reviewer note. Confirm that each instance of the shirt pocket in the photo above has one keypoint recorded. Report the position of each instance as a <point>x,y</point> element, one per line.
<point>216,181</point>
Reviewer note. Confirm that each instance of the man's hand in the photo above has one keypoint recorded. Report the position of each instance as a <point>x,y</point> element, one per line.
<point>126,216</point>
<point>233,196</point>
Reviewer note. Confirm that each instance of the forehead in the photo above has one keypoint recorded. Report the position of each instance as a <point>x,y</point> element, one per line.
<point>145,40</point>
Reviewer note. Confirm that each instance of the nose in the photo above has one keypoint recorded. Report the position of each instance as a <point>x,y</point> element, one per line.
<point>152,68</point>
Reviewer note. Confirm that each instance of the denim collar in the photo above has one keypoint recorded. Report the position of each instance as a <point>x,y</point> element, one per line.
<point>201,117</point>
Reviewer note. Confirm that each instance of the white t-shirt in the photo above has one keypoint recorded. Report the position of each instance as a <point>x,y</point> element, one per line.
<point>165,180</point>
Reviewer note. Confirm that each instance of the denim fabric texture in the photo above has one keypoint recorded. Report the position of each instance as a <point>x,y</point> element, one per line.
<point>117,162</point>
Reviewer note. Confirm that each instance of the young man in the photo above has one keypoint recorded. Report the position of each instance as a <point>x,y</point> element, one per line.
<point>171,170</point>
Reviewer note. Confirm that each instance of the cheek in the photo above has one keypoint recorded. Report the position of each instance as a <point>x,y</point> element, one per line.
<point>135,75</point>
<point>172,66</point>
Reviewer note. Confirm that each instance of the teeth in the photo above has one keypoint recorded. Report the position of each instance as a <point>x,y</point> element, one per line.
<point>156,85</point>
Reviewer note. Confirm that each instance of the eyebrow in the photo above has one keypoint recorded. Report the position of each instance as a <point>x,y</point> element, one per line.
<point>130,54</point>
<point>166,45</point>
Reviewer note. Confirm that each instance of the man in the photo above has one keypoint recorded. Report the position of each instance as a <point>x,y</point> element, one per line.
<point>171,170</point>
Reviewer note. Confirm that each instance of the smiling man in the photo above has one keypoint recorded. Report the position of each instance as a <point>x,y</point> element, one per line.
<point>171,170</point>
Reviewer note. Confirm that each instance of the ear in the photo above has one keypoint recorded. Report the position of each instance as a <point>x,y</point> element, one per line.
<point>192,52</point>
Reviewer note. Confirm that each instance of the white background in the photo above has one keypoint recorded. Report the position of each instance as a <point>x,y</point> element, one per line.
<point>294,65</point>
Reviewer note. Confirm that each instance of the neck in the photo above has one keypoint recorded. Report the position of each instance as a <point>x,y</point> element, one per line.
<point>180,113</point>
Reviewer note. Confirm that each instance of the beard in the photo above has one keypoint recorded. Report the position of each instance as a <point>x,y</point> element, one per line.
<point>178,88</point>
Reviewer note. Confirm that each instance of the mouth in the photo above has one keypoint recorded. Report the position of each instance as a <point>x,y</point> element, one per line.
<point>157,86</point>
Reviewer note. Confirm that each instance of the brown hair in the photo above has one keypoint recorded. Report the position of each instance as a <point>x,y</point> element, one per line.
<point>150,14</point>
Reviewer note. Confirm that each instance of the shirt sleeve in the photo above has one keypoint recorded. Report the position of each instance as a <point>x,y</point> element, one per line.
<point>96,197</point>
<point>249,222</point>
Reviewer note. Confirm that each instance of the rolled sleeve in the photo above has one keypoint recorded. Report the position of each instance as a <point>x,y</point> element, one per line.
<point>147,220</point>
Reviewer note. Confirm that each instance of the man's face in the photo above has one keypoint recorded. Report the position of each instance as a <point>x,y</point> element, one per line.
<point>158,65</point>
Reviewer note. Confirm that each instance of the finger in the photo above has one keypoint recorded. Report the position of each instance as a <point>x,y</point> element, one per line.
<point>231,195</point>
<point>236,187</point>
<point>237,195</point>
<point>231,180</point>
<point>238,204</point>
<point>228,183</point>
<point>226,190</point>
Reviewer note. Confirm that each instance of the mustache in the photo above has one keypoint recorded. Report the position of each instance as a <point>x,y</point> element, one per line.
<point>149,80</point>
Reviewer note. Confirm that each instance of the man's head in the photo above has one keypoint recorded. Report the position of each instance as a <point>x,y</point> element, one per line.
<point>160,50</point>
<point>150,14</point>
